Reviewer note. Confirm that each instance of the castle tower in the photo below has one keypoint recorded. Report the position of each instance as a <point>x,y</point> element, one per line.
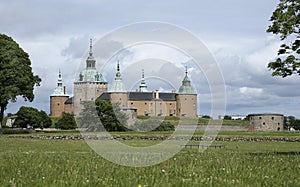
<point>186,98</point>
<point>90,83</point>
<point>118,92</point>
<point>58,98</point>
<point>143,86</point>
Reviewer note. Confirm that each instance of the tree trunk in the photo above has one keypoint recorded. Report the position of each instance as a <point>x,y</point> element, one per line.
<point>2,108</point>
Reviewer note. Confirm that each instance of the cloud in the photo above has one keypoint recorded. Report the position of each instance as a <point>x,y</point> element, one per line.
<point>56,35</point>
<point>251,91</point>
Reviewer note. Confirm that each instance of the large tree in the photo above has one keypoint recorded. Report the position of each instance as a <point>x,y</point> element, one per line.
<point>285,23</point>
<point>16,76</point>
<point>29,116</point>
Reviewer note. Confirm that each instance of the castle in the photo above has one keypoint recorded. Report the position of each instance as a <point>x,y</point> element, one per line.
<point>91,85</point>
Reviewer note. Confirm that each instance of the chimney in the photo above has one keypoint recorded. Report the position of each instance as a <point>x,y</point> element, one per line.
<point>65,90</point>
<point>156,95</point>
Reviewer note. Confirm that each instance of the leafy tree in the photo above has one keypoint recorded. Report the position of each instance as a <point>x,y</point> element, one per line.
<point>291,121</point>
<point>285,22</point>
<point>45,120</point>
<point>111,116</point>
<point>67,121</point>
<point>88,117</point>
<point>29,116</point>
<point>226,117</point>
<point>16,76</point>
<point>206,116</point>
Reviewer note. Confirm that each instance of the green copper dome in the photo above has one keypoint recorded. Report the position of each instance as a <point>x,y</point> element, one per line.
<point>118,85</point>
<point>143,85</point>
<point>186,87</point>
<point>59,90</point>
<point>90,73</point>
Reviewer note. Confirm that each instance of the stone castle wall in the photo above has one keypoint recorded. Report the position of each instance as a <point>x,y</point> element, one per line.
<point>267,122</point>
<point>186,105</point>
<point>57,105</point>
<point>87,91</point>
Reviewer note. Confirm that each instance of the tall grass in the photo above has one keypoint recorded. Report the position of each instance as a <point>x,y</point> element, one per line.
<point>29,162</point>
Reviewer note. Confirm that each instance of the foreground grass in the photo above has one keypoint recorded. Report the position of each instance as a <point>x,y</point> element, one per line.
<point>28,162</point>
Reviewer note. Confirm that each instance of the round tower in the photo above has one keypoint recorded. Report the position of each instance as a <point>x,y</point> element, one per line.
<point>58,98</point>
<point>186,98</point>
<point>118,92</point>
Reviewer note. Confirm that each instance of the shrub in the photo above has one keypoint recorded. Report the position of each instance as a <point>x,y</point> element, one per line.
<point>152,125</point>
<point>15,131</point>
<point>67,121</point>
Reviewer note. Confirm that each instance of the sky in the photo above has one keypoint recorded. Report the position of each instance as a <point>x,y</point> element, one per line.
<point>56,35</point>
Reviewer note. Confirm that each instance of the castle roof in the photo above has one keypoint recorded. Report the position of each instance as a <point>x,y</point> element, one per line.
<point>90,73</point>
<point>143,85</point>
<point>143,96</point>
<point>69,101</point>
<point>118,85</point>
<point>186,87</point>
<point>59,90</point>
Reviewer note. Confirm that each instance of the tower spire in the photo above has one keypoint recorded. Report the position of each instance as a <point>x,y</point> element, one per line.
<point>59,90</point>
<point>118,85</point>
<point>143,85</point>
<point>186,70</point>
<point>90,61</point>
<point>91,47</point>
<point>186,87</point>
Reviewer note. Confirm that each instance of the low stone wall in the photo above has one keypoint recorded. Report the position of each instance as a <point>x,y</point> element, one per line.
<point>160,138</point>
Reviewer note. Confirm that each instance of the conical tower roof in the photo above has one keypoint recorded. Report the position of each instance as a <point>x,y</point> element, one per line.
<point>118,85</point>
<point>143,85</point>
<point>59,90</point>
<point>186,87</point>
<point>90,73</point>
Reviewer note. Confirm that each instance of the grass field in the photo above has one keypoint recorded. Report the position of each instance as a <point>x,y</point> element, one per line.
<point>31,162</point>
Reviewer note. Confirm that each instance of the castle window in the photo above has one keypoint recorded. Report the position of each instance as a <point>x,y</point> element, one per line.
<point>272,118</point>
<point>264,123</point>
<point>278,123</point>
<point>185,98</point>
<point>57,104</point>
<point>145,103</point>
<point>160,111</point>
<point>259,117</point>
<point>170,103</point>
<point>131,103</point>
<point>145,112</point>
<point>120,99</point>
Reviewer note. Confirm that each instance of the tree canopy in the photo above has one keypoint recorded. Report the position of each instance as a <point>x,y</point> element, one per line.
<point>102,115</point>
<point>29,116</point>
<point>16,76</point>
<point>67,121</point>
<point>285,23</point>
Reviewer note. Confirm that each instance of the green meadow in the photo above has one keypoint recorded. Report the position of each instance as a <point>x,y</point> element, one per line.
<point>38,162</point>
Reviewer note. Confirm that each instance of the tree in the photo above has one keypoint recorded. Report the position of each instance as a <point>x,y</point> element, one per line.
<point>88,117</point>
<point>67,121</point>
<point>111,116</point>
<point>291,121</point>
<point>29,116</point>
<point>226,117</point>
<point>16,76</point>
<point>285,23</point>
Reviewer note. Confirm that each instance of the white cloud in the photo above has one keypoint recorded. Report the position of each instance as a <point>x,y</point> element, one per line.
<point>251,91</point>
<point>58,38</point>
